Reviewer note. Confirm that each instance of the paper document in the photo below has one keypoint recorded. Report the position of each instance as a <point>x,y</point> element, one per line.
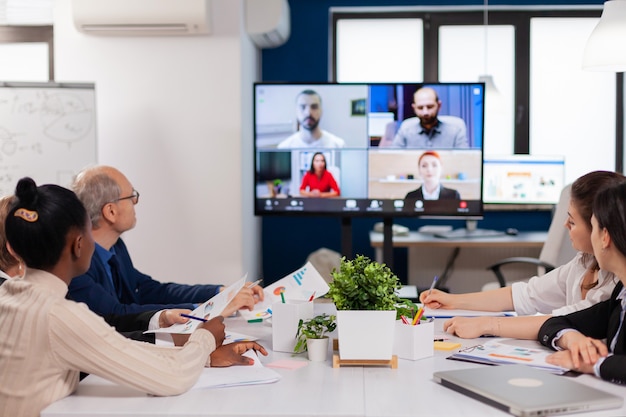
<point>211,308</point>
<point>442,313</point>
<point>232,337</point>
<point>303,284</point>
<point>237,375</point>
<point>509,351</point>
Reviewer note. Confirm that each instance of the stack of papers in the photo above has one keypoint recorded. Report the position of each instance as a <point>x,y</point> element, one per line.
<point>442,313</point>
<point>509,351</point>
<point>237,375</point>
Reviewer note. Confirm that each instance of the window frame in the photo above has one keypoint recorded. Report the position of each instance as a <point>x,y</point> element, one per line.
<point>25,34</point>
<point>519,18</point>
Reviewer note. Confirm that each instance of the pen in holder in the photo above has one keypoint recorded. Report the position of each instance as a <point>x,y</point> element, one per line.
<point>285,318</point>
<point>414,342</point>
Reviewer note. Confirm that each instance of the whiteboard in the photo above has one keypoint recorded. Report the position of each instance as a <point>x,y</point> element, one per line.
<point>47,132</point>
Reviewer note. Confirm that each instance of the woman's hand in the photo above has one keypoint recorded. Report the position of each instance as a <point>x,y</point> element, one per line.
<point>216,327</point>
<point>437,299</point>
<point>565,359</point>
<point>468,327</point>
<point>232,354</point>
<point>582,347</point>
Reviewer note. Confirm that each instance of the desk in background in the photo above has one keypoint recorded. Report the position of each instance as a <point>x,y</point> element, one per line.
<point>429,256</point>
<point>315,390</point>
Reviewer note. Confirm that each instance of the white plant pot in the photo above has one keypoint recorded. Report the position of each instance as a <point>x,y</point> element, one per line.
<point>366,334</point>
<point>317,349</point>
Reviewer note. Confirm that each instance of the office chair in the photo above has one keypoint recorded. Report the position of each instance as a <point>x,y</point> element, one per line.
<point>325,261</point>
<point>557,249</point>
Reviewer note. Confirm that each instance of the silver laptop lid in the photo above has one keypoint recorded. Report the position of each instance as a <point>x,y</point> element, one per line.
<point>525,391</point>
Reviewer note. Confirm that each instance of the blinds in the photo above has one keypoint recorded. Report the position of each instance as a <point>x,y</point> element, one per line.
<point>26,12</point>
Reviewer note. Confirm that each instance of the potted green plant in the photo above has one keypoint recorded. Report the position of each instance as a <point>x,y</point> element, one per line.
<point>364,293</point>
<point>278,185</point>
<point>312,336</point>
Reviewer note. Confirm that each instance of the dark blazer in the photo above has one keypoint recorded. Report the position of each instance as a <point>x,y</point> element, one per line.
<point>444,194</point>
<point>599,321</point>
<point>139,293</point>
<point>132,326</point>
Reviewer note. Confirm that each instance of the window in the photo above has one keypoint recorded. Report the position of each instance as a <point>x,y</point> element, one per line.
<point>534,56</point>
<point>26,40</point>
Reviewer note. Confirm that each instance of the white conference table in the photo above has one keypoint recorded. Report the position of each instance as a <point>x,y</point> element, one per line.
<point>317,389</point>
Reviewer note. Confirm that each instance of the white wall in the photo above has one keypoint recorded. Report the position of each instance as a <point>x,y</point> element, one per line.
<point>174,114</point>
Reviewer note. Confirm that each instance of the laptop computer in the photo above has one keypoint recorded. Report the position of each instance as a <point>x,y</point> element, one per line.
<point>525,391</point>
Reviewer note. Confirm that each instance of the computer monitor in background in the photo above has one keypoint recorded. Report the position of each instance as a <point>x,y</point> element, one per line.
<point>524,180</point>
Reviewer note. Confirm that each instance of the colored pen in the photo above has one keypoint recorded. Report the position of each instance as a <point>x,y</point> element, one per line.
<point>312,296</point>
<point>252,284</point>
<point>405,320</point>
<point>282,297</point>
<point>433,284</point>
<point>193,317</point>
<point>418,315</point>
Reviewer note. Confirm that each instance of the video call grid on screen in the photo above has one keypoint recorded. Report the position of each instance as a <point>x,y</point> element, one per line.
<point>523,179</point>
<point>374,175</point>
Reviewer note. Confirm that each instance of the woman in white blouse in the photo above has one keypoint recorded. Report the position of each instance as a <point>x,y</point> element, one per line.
<point>574,286</point>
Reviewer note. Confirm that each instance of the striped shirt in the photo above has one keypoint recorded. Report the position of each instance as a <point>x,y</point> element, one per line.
<point>46,340</point>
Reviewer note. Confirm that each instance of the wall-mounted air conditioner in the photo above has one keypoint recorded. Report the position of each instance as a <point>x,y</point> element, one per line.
<point>267,22</point>
<point>142,17</point>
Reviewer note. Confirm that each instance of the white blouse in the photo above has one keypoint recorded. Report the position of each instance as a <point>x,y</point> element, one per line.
<point>558,292</point>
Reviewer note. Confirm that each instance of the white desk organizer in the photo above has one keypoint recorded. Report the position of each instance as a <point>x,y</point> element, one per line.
<point>285,318</point>
<point>414,342</point>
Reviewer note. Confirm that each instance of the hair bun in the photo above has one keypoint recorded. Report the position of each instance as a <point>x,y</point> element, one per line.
<point>26,192</point>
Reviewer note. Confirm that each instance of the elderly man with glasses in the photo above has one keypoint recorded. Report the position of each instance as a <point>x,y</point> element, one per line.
<point>112,285</point>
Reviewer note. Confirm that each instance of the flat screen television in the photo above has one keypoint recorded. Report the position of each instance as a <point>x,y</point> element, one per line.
<point>371,144</point>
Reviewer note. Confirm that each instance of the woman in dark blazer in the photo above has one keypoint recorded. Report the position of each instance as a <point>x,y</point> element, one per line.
<point>429,168</point>
<point>593,340</point>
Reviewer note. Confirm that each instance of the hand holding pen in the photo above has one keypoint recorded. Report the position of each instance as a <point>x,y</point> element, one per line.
<point>434,298</point>
<point>246,298</point>
<point>257,290</point>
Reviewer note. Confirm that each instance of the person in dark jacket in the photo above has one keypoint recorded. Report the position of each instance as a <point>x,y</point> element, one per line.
<point>429,168</point>
<point>112,285</point>
<point>593,340</point>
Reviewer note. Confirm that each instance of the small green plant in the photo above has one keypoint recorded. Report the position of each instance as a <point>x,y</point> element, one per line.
<point>315,328</point>
<point>363,284</point>
<point>278,185</point>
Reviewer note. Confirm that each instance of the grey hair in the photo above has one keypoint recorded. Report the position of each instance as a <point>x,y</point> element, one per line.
<point>95,189</point>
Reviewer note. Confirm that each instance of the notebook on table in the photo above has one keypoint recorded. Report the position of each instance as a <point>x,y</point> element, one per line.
<point>525,391</point>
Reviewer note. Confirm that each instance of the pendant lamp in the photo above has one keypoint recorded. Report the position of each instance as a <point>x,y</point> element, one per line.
<point>606,47</point>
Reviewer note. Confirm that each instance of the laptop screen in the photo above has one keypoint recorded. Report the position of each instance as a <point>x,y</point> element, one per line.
<point>523,179</point>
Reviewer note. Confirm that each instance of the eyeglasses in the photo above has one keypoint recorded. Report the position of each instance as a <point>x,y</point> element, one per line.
<point>134,197</point>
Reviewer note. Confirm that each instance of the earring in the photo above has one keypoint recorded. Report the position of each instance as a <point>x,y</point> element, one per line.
<point>20,269</point>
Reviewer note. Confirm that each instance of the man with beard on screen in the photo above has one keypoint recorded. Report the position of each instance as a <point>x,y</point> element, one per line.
<point>428,129</point>
<point>310,134</point>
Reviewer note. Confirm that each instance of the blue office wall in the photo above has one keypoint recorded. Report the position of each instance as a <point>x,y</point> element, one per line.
<point>287,241</point>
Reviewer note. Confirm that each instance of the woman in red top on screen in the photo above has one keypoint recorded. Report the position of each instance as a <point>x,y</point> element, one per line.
<point>318,182</point>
